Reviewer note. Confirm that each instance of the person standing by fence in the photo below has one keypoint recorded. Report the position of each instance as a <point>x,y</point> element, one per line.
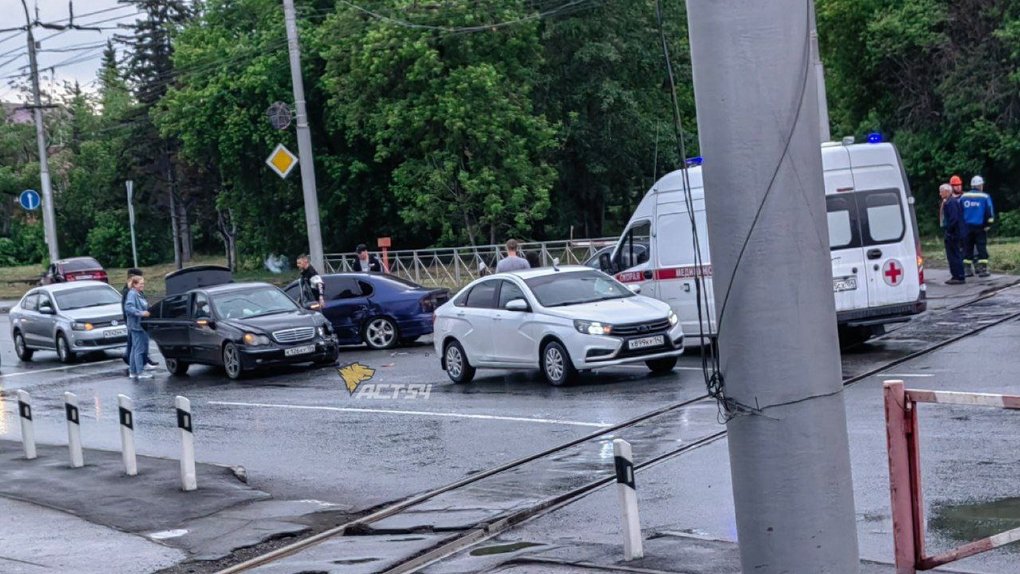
<point>512,261</point>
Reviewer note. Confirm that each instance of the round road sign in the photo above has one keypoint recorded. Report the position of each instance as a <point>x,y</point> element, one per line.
<point>279,115</point>
<point>29,199</point>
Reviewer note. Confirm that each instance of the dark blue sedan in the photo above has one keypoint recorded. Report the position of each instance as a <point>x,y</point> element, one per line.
<point>378,310</point>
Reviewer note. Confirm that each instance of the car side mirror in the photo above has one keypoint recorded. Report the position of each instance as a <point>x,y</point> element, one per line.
<point>47,310</point>
<point>207,323</point>
<point>636,289</point>
<point>313,306</point>
<point>519,305</point>
<point>605,263</point>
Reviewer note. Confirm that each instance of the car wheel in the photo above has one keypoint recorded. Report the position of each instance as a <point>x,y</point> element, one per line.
<point>232,361</point>
<point>381,333</point>
<point>21,349</point>
<point>457,366</point>
<point>64,352</point>
<point>663,365</point>
<point>177,367</point>
<point>556,365</point>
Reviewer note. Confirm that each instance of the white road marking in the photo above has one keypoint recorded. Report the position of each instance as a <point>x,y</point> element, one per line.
<point>644,368</point>
<point>64,368</point>
<point>415,413</point>
<point>904,375</point>
<point>167,534</point>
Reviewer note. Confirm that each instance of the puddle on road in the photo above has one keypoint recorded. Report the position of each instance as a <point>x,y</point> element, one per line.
<point>969,522</point>
<point>503,548</point>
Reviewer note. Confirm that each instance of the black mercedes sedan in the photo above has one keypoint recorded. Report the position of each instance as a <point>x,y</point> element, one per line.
<point>240,327</point>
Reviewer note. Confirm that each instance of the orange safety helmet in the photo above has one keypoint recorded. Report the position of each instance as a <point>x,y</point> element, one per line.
<point>955,180</point>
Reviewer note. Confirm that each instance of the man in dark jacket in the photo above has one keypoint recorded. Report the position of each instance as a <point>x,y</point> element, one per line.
<point>133,272</point>
<point>952,228</point>
<point>313,289</point>
<point>367,263</point>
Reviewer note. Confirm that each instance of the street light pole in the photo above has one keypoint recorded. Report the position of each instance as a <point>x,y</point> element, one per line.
<point>304,140</point>
<point>49,214</point>
<point>756,98</point>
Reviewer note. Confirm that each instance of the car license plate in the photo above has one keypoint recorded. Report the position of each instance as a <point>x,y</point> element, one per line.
<point>848,283</point>
<point>645,342</point>
<point>110,333</point>
<point>303,350</point>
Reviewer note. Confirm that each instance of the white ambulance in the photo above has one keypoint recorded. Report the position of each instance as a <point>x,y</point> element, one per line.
<point>877,266</point>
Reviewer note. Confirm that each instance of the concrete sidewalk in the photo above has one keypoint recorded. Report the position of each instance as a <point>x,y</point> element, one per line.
<point>149,514</point>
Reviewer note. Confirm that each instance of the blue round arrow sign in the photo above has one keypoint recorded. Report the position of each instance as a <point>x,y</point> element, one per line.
<point>29,199</point>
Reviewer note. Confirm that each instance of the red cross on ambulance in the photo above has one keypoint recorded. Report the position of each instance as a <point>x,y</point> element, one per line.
<point>892,272</point>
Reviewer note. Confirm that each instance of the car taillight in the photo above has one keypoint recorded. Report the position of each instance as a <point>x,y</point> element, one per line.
<point>428,304</point>
<point>920,263</point>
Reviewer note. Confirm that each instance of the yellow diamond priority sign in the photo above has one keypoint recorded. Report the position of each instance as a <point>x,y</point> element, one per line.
<point>281,161</point>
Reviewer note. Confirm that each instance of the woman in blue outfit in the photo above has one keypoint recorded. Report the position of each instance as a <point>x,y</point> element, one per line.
<point>135,308</point>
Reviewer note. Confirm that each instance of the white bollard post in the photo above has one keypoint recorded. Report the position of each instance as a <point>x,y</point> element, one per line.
<point>73,430</point>
<point>126,408</point>
<point>628,499</point>
<point>188,478</point>
<point>27,428</point>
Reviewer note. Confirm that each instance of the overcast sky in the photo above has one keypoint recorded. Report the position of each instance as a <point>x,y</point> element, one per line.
<point>82,49</point>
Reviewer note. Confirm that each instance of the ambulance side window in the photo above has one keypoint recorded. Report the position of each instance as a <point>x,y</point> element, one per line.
<point>883,216</point>
<point>634,247</point>
<point>844,230</point>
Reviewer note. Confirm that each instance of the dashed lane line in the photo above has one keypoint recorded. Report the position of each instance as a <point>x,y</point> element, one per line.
<point>64,368</point>
<point>412,413</point>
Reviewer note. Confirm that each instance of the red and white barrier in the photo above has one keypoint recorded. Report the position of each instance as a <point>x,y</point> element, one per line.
<point>905,475</point>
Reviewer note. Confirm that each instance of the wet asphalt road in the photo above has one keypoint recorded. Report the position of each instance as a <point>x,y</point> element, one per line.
<point>300,434</point>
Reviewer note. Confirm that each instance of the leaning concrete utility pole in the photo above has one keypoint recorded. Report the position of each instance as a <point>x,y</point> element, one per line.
<point>823,100</point>
<point>304,141</point>
<point>49,214</point>
<point>756,98</point>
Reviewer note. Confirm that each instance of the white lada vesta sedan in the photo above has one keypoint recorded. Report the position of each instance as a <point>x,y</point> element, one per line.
<point>559,320</point>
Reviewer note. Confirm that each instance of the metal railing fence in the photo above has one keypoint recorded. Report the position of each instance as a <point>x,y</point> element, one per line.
<point>454,267</point>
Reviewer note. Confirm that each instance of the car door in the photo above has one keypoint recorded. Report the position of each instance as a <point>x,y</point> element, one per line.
<point>849,268</point>
<point>892,261</point>
<point>678,279</point>
<point>171,329</point>
<point>475,320</point>
<point>28,319</point>
<point>346,307</point>
<point>512,339</point>
<point>632,264</point>
<point>44,324</point>
<point>203,340</point>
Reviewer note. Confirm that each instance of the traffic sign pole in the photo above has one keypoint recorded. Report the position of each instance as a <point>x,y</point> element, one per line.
<point>131,218</point>
<point>304,140</point>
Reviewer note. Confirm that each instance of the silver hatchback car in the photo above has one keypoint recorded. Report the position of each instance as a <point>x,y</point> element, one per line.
<point>70,318</point>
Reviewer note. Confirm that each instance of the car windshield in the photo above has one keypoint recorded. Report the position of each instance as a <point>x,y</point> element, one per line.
<point>254,302</point>
<point>82,264</point>
<point>576,287</point>
<point>70,299</point>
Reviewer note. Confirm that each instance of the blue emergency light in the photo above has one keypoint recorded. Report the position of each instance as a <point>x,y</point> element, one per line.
<point>874,137</point>
<point>693,161</point>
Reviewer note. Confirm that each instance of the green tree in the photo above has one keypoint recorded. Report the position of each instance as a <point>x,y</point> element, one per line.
<point>445,100</point>
<point>606,86</point>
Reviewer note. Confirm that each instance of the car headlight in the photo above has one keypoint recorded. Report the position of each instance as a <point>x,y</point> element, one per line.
<point>592,327</point>
<point>81,326</point>
<point>255,340</point>
<point>673,319</point>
